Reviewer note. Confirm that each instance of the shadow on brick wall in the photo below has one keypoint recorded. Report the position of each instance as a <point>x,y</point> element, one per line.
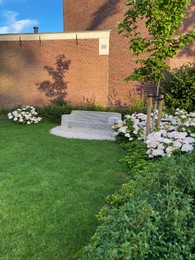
<point>115,99</point>
<point>189,20</point>
<point>188,25</point>
<point>108,9</point>
<point>7,100</point>
<point>55,89</point>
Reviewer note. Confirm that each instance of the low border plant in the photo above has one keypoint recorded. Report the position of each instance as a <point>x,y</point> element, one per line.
<point>151,217</point>
<point>176,133</point>
<point>25,115</point>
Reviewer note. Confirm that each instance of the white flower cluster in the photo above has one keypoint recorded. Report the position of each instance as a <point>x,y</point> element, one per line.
<point>26,115</point>
<point>174,132</point>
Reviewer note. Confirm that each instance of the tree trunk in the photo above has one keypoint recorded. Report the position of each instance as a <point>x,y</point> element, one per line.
<point>155,106</point>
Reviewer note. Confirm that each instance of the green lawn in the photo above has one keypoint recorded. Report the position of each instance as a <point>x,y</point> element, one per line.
<point>51,189</point>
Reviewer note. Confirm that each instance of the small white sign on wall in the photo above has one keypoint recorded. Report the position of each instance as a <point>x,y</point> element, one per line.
<point>104,46</point>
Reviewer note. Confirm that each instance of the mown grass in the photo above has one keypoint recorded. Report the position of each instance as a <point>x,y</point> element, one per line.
<point>51,189</point>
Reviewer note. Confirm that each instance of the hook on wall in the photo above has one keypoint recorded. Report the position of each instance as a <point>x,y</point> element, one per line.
<point>76,40</point>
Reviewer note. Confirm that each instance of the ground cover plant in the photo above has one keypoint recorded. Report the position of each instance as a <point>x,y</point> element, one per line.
<point>51,188</point>
<point>152,216</point>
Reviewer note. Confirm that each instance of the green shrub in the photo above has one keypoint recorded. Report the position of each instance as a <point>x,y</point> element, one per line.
<point>152,217</point>
<point>179,89</point>
<point>138,159</point>
<point>55,111</point>
<point>5,111</point>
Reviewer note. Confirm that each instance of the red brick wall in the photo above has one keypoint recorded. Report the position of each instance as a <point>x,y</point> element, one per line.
<point>103,15</point>
<point>89,75</point>
<point>22,71</point>
<point>188,53</point>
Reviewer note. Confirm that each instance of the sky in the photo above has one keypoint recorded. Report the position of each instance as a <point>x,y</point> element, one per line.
<point>20,16</point>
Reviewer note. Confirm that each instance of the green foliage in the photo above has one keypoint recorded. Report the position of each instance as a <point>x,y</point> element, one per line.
<point>162,21</point>
<point>121,138</point>
<point>55,111</point>
<point>179,89</point>
<point>5,111</point>
<point>138,159</point>
<point>152,217</point>
<point>137,100</point>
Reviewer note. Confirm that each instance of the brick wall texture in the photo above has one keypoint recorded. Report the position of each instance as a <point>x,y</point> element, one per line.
<point>104,15</point>
<point>35,74</point>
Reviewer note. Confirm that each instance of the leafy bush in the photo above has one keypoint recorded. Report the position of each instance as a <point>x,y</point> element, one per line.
<point>179,89</point>
<point>4,111</point>
<point>152,217</point>
<point>55,111</point>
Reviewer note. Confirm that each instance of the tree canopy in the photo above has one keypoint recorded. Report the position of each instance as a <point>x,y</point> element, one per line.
<point>162,20</point>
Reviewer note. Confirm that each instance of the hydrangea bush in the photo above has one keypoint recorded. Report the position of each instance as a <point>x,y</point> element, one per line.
<point>175,132</point>
<point>26,115</point>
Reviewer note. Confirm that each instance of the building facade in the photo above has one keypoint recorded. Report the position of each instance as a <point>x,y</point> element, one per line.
<point>86,63</point>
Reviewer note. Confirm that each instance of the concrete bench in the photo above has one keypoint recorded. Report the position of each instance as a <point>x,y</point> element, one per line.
<point>89,121</point>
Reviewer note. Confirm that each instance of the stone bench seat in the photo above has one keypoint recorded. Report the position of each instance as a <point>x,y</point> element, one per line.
<point>89,121</point>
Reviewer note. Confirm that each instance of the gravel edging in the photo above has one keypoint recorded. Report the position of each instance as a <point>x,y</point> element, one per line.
<point>80,134</point>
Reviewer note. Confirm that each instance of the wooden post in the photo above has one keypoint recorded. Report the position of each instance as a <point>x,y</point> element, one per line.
<point>148,125</point>
<point>160,106</point>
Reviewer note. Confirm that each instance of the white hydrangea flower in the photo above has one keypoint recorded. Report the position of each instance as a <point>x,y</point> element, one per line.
<point>158,152</point>
<point>169,150</point>
<point>189,140</point>
<point>167,141</point>
<point>151,143</point>
<point>177,135</point>
<point>174,132</point>
<point>26,115</point>
<point>177,144</point>
<point>186,147</point>
<point>123,129</point>
<point>10,116</point>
